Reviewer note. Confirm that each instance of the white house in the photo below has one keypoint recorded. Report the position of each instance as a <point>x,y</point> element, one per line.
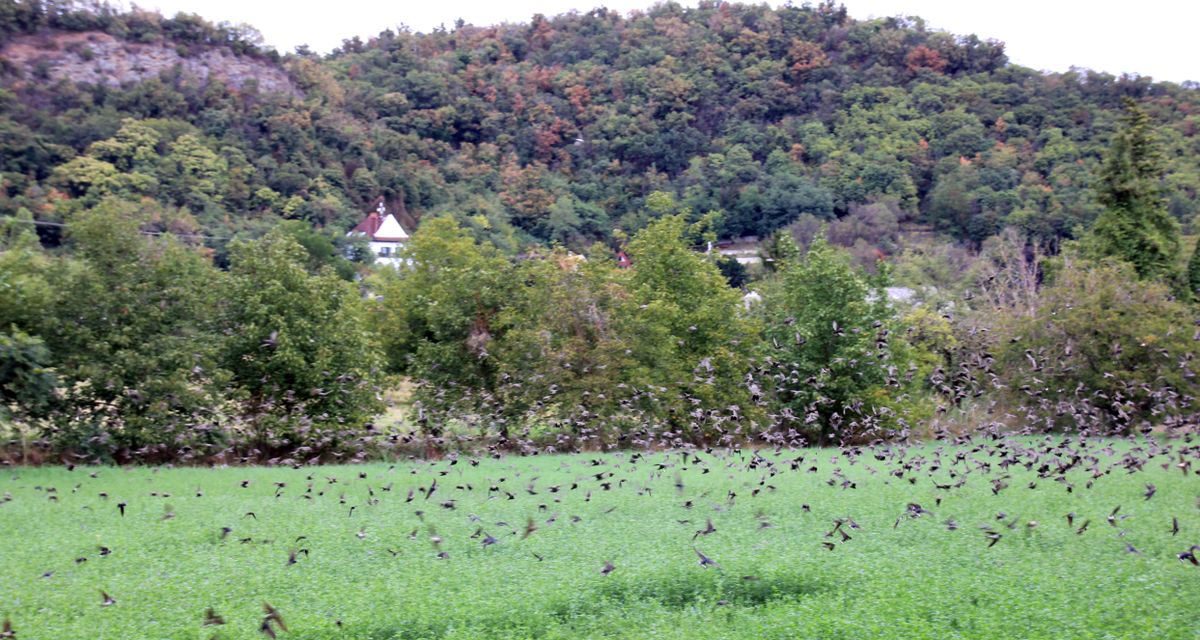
<point>384,235</point>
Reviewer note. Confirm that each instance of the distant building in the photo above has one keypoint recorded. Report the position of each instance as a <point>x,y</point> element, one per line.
<point>745,249</point>
<point>384,234</point>
<point>751,300</point>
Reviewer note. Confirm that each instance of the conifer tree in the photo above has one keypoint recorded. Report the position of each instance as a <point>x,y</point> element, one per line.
<point>1135,226</point>
<point>1193,273</point>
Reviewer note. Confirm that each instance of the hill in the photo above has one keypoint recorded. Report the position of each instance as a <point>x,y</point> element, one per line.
<point>557,130</point>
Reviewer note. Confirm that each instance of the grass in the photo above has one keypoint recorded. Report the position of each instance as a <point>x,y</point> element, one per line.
<point>915,579</point>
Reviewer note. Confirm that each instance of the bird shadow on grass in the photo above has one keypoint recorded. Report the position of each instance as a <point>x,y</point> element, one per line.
<point>611,595</point>
<point>686,589</point>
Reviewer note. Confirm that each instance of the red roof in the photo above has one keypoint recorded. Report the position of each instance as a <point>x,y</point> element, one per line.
<point>370,225</point>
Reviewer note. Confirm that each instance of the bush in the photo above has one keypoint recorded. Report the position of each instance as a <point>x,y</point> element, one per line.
<point>1101,348</point>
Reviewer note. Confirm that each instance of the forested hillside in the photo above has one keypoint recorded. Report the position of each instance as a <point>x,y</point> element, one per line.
<point>557,130</point>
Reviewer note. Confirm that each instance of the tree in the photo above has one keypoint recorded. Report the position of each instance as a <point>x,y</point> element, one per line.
<point>299,346</point>
<point>734,271</point>
<point>133,330</point>
<point>1193,272</point>
<point>27,383</point>
<point>563,356</point>
<point>683,329</point>
<point>321,248</point>
<point>440,316</point>
<point>1135,225</point>
<point>829,328</point>
<point>26,295</point>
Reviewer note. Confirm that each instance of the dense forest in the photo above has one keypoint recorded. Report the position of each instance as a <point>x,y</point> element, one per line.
<point>557,130</point>
<point>177,280</point>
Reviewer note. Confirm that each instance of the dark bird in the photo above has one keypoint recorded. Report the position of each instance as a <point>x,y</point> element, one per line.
<point>7,630</point>
<point>293,553</point>
<point>608,568</point>
<point>705,561</point>
<point>708,528</point>
<point>272,616</point>
<point>121,507</point>
<point>211,618</point>
<point>106,600</point>
<point>1150,490</point>
<point>1174,525</point>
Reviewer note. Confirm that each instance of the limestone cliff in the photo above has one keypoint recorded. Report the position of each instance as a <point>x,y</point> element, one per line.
<point>98,58</point>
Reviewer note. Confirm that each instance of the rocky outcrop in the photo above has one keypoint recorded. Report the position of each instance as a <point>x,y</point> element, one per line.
<point>98,58</point>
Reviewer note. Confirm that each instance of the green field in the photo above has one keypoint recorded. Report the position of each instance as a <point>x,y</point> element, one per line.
<point>372,571</point>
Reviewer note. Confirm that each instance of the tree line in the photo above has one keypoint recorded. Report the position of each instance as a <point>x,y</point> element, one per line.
<point>135,346</point>
<point>176,281</point>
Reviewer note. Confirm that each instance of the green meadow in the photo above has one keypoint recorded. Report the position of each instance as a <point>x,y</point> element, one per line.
<point>515,547</point>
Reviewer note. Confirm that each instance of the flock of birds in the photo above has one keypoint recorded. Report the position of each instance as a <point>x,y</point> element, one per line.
<point>781,407</point>
<point>1070,463</point>
<point>765,439</point>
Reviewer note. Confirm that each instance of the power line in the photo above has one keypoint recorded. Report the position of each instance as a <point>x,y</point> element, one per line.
<point>63,225</point>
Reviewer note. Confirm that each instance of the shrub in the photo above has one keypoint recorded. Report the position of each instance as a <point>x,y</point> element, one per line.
<point>1101,345</point>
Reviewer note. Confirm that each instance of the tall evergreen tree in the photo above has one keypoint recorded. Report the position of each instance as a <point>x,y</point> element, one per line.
<point>1135,226</point>
<point>1193,273</point>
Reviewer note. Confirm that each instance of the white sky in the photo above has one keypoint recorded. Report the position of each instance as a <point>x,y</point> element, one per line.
<point>1149,37</point>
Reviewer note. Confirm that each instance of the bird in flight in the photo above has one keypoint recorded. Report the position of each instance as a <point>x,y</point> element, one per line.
<point>272,617</point>
<point>211,618</point>
<point>705,561</point>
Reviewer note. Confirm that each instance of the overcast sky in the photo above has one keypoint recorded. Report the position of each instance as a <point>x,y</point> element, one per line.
<point>1148,37</point>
